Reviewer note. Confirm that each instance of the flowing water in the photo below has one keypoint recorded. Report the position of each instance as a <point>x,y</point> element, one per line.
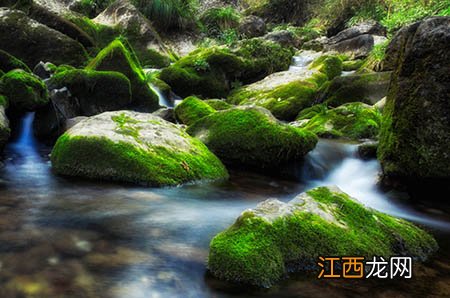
<point>63,237</point>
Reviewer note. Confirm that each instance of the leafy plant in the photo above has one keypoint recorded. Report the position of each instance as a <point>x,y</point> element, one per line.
<point>218,20</point>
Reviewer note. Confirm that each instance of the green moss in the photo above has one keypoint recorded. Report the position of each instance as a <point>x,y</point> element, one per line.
<point>9,62</point>
<point>329,65</point>
<point>250,136</point>
<point>154,59</point>
<point>107,160</point>
<point>218,104</point>
<point>352,120</point>
<point>96,91</point>
<point>192,109</point>
<point>3,101</point>
<point>310,112</point>
<point>352,65</point>
<point>117,57</point>
<point>23,90</point>
<point>259,252</point>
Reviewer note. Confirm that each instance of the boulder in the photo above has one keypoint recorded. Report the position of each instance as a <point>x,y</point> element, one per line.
<point>23,91</point>
<point>283,37</point>
<point>367,88</point>
<point>368,150</point>
<point>122,14</point>
<point>275,238</point>
<point>286,93</point>
<point>4,127</point>
<point>9,62</point>
<point>95,91</point>
<point>33,42</point>
<point>218,104</point>
<point>167,114</point>
<point>134,147</point>
<point>250,137</point>
<point>351,121</point>
<point>415,137</point>
<point>117,57</point>
<point>252,26</point>
<point>368,27</point>
<point>191,109</point>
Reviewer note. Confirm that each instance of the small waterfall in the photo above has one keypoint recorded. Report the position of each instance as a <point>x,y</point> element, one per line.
<point>25,140</point>
<point>302,60</point>
<point>163,100</point>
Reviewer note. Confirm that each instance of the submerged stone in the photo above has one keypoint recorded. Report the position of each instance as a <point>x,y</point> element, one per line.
<point>275,238</point>
<point>134,147</point>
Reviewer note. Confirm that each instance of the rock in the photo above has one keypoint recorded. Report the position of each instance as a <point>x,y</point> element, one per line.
<point>368,27</point>
<point>275,238</point>
<point>317,44</point>
<point>352,121</point>
<point>286,93</point>
<point>380,104</point>
<point>43,70</point>
<point>122,14</point>
<point>49,121</point>
<point>415,137</point>
<point>251,137</point>
<point>95,91</point>
<point>5,131</point>
<point>209,72</point>
<point>252,26</point>
<point>167,114</point>
<point>73,121</point>
<point>134,147</point>
<point>352,65</point>
<point>283,37</point>
<point>368,150</point>
<point>33,42</point>
<point>9,62</point>
<point>367,88</point>
<point>218,104</point>
<point>192,109</point>
<point>23,91</point>
<point>117,57</point>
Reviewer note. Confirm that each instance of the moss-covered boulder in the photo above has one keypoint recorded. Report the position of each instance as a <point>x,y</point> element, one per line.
<point>251,137</point>
<point>218,104</point>
<point>121,58</point>
<point>275,238</point>
<point>352,65</point>
<point>368,88</point>
<point>286,93</point>
<point>23,91</point>
<point>192,109</point>
<point>352,121</point>
<point>9,62</point>
<point>4,126</point>
<point>415,140</point>
<point>134,147</point>
<point>96,91</point>
<point>33,42</point>
<point>210,72</point>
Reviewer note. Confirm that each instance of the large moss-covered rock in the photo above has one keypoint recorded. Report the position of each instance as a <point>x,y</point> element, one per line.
<point>352,121</point>
<point>134,147</point>
<point>415,140</point>
<point>286,93</point>
<point>33,42</point>
<point>9,62</point>
<point>275,238</point>
<point>251,137</point>
<point>218,104</point>
<point>96,91</point>
<point>118,57</point>
<point>368,88</point>
<point>210,72</point>
<point>23,91</point>
<point>192,109</point>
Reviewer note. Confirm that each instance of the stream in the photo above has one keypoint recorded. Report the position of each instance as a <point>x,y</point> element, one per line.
<point>64,237</point>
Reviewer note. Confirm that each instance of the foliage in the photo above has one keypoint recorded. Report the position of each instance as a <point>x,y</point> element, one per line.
<point>169,15</point>
<point>220,19</point>
<point>376,57</point>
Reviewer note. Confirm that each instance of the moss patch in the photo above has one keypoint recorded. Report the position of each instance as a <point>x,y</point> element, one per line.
<point>9,62</point>
<point>218,104</point>
<point>252,137</point>
<point>329,65</point>
<point>192,109</point>
<point>259,251</point>
<point>352,121</point>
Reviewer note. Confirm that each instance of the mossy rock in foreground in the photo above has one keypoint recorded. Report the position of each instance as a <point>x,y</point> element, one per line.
<point>23,91</point>
<point>192,109</point>
<point>266,243</point>
<point>9,62</point>
<point>352,121</point>
<point>249,136</point>
<point>118,57</point>
<point>5,131</point>
<point>134,147</point>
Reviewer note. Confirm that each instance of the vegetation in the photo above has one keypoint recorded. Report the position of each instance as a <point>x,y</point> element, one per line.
<point>192,109</point>
<point>218,20</point>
